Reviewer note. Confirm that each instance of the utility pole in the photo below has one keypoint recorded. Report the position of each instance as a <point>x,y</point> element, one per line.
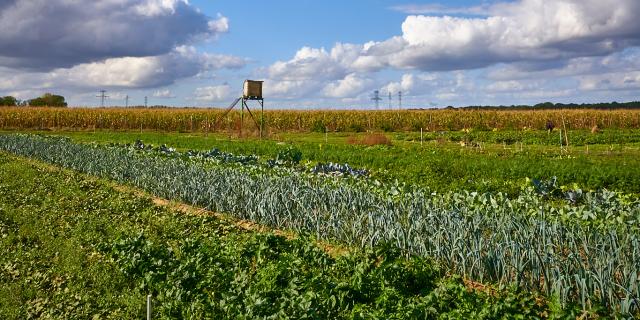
<point>102,97</point>
<point>376,98</point>
<point>400,100</point>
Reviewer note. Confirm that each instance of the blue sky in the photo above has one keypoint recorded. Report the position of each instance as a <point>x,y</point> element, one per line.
<point>322,54</point>
<point>279,28</point>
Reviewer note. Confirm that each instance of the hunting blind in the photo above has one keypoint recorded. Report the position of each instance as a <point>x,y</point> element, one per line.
<point>252,90</point>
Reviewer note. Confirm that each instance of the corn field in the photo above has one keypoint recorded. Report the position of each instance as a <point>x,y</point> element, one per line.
<point>202,120</point>
<point>525,241</point>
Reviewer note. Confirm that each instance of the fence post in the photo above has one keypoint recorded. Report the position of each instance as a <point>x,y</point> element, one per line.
<point>149,309</point>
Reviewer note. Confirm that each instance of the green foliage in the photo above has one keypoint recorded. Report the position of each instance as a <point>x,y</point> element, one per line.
<point>443,167</point>
<point>585,253</point>
<point>530,137</point>
<point>563,106</point>
<point>48,100</point>
<point>387,127</point>
<point>71,247</point>
<point>356,127</point>
<point>290,154</point>
<point>8,101</point>
<point>318,126</point>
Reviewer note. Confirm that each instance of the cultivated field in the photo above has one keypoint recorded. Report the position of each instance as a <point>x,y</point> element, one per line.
<point>199,120</point>
<point>335,214</point>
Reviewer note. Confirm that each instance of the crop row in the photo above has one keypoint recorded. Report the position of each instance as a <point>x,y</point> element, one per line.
<point>528,137</point>
<point>438,167</point>
<point>287,160</point>
<point>201,120</point>
<point>101,251</point>
<point>525,241</point>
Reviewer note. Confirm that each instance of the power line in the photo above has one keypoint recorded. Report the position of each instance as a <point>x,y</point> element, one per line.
<point>102,97</point>
<point>376,98</point>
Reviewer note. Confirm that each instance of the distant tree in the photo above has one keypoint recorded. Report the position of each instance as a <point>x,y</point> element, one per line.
<point>544,105</point>
<point>48,100</point>
<point>549,106</point>
<point>8,101</point>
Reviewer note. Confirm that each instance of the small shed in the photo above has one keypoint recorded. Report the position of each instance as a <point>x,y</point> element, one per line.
<point>252,90</point>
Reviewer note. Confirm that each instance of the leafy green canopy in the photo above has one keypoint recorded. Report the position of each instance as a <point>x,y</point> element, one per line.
<point>48,100</point>
<point>8,101</point>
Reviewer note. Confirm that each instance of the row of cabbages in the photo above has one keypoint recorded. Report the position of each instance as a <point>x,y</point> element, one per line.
<point>288,158</point>
<point>587,253</point>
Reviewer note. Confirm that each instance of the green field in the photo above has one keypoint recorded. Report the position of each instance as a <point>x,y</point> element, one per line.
<point>73,246</point>
<point>487,224</point>
<point>440,162</point>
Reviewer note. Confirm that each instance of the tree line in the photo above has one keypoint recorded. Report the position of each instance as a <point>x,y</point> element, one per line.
<point>46,100</point>
<point>553,106</point>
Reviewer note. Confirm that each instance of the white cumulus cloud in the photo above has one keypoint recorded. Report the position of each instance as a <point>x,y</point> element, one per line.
<point>521,31</point>
<point>164,94</point>
<point>218,93</point>
<point>514,42</point>
<point>351,85</point>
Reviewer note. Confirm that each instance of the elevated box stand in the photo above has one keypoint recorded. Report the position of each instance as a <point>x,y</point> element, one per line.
<point>252,91</point>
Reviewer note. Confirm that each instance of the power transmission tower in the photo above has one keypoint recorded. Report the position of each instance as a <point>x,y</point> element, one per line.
<point>145,101</point>
<point>400,100</point>
<point>376,98</point>
<point>126,101</point>
<point>389,100</point>
<point>102,97</point>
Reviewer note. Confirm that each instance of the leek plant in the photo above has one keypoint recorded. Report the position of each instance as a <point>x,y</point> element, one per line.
<point>587,254</point>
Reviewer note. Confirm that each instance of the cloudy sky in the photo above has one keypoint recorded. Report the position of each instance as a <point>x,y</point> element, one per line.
<point>322,54</point>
